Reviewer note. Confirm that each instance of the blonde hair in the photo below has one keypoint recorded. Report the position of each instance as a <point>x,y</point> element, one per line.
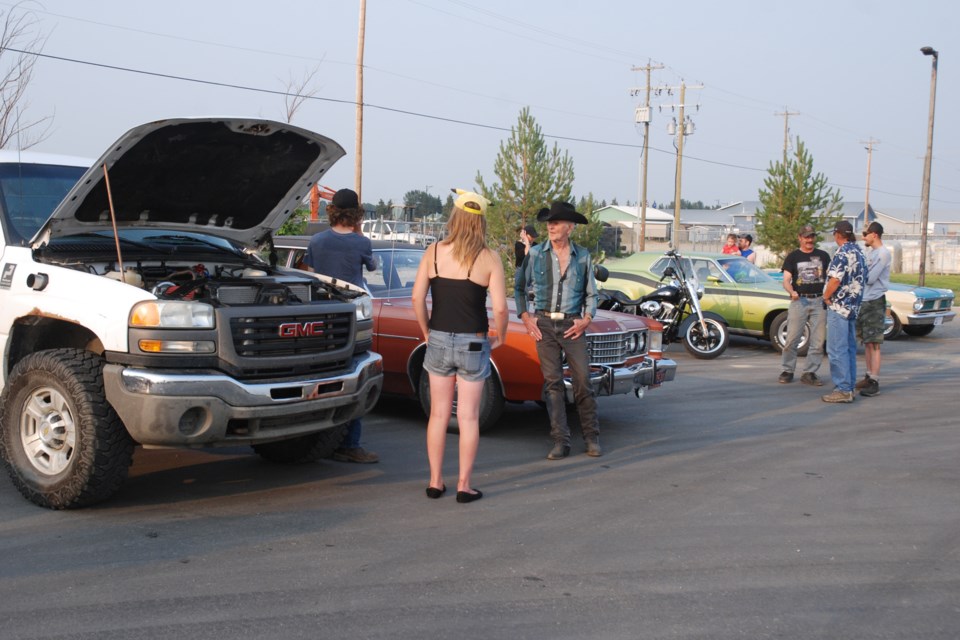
<point>467,233</point>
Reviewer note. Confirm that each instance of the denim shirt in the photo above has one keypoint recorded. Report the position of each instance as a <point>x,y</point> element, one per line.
<point>849,267</point>
<point>577,292</point>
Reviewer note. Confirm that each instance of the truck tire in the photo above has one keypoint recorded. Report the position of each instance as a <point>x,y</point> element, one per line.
<point>491,402</point>
<point>308,448</point>
<point>63,445</point>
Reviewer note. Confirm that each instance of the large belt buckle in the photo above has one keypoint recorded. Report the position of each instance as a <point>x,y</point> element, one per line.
<point>556,315</point>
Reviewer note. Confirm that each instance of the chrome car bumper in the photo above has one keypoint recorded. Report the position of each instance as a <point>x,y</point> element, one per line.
<point>208,408</point>
<point>935,318</point>
<point>610,381</point>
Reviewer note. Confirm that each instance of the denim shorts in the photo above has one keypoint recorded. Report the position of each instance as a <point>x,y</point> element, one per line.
<point>870,320</point>
<point>450,354</point>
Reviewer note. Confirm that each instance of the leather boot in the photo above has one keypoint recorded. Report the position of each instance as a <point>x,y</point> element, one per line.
<point>560,450</point>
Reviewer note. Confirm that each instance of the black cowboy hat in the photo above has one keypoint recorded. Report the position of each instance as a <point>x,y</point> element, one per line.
<point>561,211</point>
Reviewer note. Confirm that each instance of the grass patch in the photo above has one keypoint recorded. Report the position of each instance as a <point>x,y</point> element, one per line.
<point>938,281</point>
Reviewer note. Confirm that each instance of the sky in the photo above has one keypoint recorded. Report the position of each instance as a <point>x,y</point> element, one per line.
<point>445,80</point>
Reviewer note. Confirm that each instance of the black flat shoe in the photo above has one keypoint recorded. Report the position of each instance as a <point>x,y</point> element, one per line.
<point>434,493</point>
<point>465,497</point>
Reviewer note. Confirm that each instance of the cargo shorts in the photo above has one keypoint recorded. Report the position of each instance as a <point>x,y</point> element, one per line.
<point>870,320</point>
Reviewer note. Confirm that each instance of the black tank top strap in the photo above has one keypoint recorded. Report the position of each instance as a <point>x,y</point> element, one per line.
<point>436,272</point>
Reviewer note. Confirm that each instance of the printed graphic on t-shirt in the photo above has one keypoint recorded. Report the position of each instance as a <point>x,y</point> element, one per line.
<point>810,272</point>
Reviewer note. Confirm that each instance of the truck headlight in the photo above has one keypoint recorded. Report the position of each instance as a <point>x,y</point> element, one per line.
<point>172,314</point>
<point>364,307</point>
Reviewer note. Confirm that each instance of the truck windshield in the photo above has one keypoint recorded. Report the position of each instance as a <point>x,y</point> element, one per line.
<point>29,193</point>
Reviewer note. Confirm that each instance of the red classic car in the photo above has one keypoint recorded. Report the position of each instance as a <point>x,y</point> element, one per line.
<point>626,351</point>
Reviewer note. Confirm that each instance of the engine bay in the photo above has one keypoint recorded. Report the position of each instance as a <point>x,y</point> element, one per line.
<point>216,276</point>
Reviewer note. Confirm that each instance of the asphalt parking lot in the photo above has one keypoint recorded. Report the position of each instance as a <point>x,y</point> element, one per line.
<point>726,506</point>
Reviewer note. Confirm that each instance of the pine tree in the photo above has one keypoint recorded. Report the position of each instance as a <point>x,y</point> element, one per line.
<point>531,176</point>
<point>792,197</point>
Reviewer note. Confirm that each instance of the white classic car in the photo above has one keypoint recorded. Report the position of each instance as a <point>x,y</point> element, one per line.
<point>916,311</point>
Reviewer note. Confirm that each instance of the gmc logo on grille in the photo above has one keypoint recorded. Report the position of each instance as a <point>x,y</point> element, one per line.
<point>301,330</point>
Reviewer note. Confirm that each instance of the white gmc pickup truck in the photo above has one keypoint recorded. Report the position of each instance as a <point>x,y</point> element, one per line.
<point>134,308</point>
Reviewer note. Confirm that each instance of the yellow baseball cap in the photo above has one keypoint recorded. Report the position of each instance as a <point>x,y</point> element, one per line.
<point>470,202</point>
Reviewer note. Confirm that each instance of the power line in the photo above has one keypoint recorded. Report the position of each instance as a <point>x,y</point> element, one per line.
<point>240,87</point>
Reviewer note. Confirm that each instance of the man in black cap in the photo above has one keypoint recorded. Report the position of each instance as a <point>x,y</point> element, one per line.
<point>528,236</point>
<point>874,307</point>
<point>804,274</point>
<point>842,295</point>
<point>564,302</point>
<point>341,252</point>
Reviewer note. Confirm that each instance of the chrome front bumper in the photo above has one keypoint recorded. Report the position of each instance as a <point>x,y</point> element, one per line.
<point>611,381</point>
<point>935,318</point>
<point>208,408</point>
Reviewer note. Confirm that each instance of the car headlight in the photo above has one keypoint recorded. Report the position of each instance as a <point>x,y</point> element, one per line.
<point>918,304</point>
<point>364,307</point>
<point>633,343</point>
<point>172,314</point>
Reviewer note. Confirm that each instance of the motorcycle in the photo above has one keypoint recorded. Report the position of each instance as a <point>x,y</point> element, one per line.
<point>676,305</point>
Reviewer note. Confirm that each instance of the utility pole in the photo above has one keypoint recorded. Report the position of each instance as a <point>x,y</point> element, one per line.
<point>643,115</point>
<point>786,113</point>
<point>683,129</point>
<point>866,199</point>
<point>925,189</point>
<point>358,159</point>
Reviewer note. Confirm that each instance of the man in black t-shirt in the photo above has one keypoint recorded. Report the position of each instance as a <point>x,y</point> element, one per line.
<point>804,276</point>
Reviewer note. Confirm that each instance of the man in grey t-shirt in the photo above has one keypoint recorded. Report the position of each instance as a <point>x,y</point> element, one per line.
<point>874,307</point>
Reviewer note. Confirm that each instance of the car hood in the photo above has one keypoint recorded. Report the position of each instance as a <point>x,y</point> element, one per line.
<point>236,178</point>
<point>921,292</point>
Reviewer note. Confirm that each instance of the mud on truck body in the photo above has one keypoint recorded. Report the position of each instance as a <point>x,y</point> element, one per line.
<point>135,309</point>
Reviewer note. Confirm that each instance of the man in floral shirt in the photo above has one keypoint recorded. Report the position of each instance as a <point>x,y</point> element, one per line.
<point>842,296</point>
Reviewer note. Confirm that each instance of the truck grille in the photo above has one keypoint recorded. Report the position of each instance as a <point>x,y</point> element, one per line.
<point>607,348</point>
<point>245,294</point>
<point>263,337</point>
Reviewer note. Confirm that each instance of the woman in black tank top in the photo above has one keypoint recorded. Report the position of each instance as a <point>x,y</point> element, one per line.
<point>457,273</point>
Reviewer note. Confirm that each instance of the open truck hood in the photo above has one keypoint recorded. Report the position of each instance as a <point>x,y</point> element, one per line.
<point>236,178</point>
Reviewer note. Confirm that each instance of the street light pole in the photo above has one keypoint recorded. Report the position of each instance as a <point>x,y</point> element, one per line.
<point>925,193</point>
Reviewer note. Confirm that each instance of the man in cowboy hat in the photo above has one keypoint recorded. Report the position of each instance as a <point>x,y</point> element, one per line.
<point>564,302</point>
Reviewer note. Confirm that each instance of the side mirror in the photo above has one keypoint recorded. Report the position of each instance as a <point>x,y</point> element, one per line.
<point>600,273</point>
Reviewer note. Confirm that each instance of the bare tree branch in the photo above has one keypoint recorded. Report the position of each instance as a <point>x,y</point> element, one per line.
<point>19,30</point>
<point>298,92</point>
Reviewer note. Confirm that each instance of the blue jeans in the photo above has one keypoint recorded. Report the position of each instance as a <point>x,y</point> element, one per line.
<point>802,311</point>
<point>842,350</point>
<point>352,439</point>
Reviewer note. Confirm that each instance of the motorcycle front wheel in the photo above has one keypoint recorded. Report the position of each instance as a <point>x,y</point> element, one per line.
<point>709,345</point>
